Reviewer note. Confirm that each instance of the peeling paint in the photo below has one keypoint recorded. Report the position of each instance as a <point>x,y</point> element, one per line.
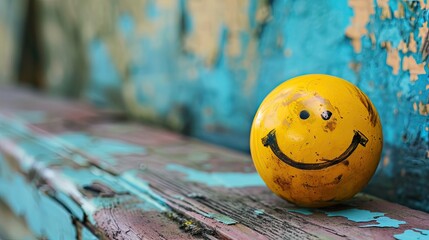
<point>259,212</point>
<point>359,215</point>
<point>410,64</point>
<point>219,179</point>
<point>303,211</point>
<point>393,60</point>
<point>356,215</point>
<point>362,12</point>
<point>44,216</point>
<point>413,234</point>
<point>386,222</point>
<point>221,218</point>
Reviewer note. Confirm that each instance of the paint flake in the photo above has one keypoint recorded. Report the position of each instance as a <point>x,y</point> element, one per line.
<point>383,222</point>
<point>259,212</point>
<point>356,215</point>
<point>385,9</point>
<point>221,218</point>
<point>413,234</point>
<point>393,60</point>
<point>303,211</point>
<point>362,12</point>
<point>423,109</point>
<point>410,64</point>
<point>359,215</point>
<point>219,179</point>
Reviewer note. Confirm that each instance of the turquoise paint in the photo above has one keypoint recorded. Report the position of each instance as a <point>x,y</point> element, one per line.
<point>142,189</point>
<point>50,150</point>
<point>88,235</point>
<point>304,211</point>
<point>102,90</point>
<point>87,176</point>
<point>360,215</point>
<point>356,215</point>
<point>44,216</point>
<point>405,133</point>
<point>33,117</point>
<point>219,179</point>
<point>102,149</point>
<point>152,10</point>
<point>386,222</point>
<point>126,25</point>
<point>72,206</point>
<point>126,201</point>
<point>221,218</point>
<point>413,234</point>
<point>259,212</point>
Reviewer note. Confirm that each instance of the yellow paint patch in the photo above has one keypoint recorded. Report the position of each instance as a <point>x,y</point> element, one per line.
<point>210,17</point>
<point>412,45</point>
<point>386,161</point>
<point>403,46</point>
<point>399,13</point>
<point>393,60</point>
<point>423,109</point>
<point>410,64</point>
<point>362,9</point>
<point>424,5</point>
<point>385,9</point>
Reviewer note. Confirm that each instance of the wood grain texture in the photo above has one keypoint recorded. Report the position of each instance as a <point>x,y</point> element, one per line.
<point>121,180</point>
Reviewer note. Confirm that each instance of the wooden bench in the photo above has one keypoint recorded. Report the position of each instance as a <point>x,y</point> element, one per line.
<point>76,173</point>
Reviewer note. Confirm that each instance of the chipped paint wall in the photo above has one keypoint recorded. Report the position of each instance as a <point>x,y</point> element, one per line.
<point>11,20</point>
<point>203,67</point>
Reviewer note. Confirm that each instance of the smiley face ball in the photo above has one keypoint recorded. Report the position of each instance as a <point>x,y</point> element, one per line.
<point>316,140</point>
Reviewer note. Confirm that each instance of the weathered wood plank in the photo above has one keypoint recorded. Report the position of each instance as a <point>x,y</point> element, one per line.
<point>127,181</point>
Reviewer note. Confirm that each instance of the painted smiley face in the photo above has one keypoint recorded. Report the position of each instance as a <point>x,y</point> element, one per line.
<point>316,140</point>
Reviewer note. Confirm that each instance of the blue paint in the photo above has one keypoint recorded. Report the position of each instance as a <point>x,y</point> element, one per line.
<point>304,211</point>
<point>88,235</point>
<point>33,117</point>
<point>141,188</point>
<point>221,218</point>
<point>103,149</point>
<point>88,176</point>
<point>72,206</point>
<point>386,222</point>
<point>258,212</point>
<point>359,215</point>
<point>126,25</point>
<point>355,215</point>
<point>105,82</point>
<point>413,234</point>
<point>219,179</point>
<point>44,216</point>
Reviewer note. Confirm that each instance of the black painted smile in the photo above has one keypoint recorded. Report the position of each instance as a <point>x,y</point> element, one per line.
<point>271,141</point>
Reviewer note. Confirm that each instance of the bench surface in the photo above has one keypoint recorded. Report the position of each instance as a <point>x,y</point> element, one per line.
<point>73,172</point>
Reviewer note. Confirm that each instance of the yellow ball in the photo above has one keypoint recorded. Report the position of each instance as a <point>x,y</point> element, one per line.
<point>316,140</point>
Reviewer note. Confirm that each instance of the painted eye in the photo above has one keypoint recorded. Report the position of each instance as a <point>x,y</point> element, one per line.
<point>304,114</point>
<point>326,115</point>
